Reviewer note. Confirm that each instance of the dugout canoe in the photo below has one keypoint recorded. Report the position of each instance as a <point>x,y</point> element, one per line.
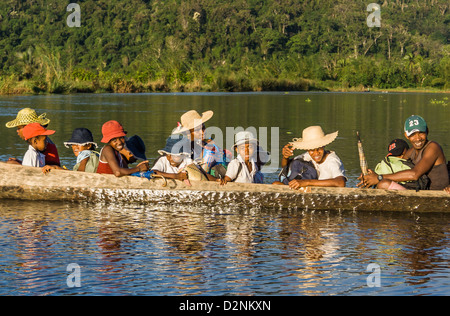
<point>27,183</point>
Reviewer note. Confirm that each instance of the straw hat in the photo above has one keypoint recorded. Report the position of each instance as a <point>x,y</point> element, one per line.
<point>313,137</point>
<point>192,119</point>
<point>27,116</point>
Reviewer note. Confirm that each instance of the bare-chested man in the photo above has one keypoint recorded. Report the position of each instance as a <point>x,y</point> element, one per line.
<point>427,156</point>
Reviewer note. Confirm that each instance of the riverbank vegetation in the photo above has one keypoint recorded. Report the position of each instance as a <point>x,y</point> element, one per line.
<point>231,45</point>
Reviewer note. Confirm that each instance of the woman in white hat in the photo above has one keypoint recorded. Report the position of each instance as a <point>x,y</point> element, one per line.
<point>330,169</point>
<point>203,151</point>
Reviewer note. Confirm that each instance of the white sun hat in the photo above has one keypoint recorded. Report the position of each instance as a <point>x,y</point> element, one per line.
<point>244,137</point>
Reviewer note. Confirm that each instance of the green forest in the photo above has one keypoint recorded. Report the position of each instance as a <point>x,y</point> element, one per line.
<point>223,45</point>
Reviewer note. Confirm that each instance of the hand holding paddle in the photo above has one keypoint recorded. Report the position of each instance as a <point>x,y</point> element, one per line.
<point>368,180</point>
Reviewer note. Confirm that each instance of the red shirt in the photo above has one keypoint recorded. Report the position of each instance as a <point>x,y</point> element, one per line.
<point>103,167</point>
<point>51,155</point>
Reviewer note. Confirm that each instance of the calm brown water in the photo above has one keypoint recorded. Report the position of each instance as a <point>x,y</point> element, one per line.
<point>183,251</point>
<point>153,250</point>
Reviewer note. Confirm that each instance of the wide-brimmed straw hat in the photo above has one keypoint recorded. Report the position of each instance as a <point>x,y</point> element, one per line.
<point>27,116</point>
<point>192,119</point>
<point>313,137</point>
<point>244,137</point>
<point>81,136</point>
<point>112,129</point>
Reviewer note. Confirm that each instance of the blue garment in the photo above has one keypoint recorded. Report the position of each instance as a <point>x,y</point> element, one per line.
<point>83,155</point>
<point>297,169</point>
<point>148,174</point>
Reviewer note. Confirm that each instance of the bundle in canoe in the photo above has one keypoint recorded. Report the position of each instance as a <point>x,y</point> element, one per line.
<point>26,183</point>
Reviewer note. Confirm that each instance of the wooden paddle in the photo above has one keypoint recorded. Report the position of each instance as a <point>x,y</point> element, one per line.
<point>362,157</point>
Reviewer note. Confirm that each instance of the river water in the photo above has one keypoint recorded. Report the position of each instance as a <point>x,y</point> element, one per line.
<point>180,250</point>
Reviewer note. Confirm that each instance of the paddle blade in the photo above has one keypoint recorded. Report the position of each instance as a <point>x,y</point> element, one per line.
<point>362,157</point>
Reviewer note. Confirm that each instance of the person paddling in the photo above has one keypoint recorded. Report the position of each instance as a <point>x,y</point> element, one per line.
<point>427,156</point>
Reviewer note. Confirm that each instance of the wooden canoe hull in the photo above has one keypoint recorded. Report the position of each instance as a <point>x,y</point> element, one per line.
<point>26,183</point>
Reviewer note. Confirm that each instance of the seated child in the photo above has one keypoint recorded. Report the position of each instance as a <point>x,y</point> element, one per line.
<point>111,161</point>
<point>36,136</point>
<point>244,169</point>
<point>174,159</point>
<point>83,146</point>
<point>394,162</point>
<point>27,116</point>
<point>134,149</point>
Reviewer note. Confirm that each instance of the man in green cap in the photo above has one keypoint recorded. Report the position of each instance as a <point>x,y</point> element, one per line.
<point>427,156</point>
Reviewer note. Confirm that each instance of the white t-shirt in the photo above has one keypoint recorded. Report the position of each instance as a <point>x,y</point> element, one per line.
<point>244,175</point>
<point>163,165</point>
<point>331,168</point>
<point>33,158</point>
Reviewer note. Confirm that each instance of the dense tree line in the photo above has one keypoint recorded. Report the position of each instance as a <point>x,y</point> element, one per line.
<point>233,45</point>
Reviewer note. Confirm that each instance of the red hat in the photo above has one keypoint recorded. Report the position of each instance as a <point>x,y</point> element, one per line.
<point>112,129</point>
<point>35,129</point>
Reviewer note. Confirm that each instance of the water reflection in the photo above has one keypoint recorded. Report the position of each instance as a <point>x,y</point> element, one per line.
<point>160,250</point>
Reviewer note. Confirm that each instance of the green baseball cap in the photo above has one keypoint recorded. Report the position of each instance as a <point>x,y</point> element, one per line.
<point>415,123</point>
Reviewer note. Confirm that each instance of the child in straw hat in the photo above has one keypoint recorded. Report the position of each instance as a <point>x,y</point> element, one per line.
<point>330,169</point>
<point>27,116</point>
